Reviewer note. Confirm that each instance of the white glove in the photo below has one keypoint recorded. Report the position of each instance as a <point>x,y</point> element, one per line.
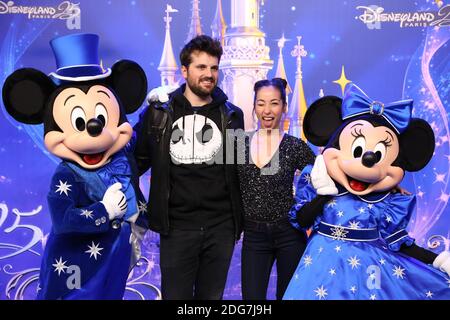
<point>320,179</point>
<point>442,262</point>
<point>160,94</point>
<point>115,201</point>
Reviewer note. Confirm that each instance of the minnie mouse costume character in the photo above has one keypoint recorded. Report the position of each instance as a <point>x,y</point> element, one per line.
<point>359,248</point>
<point>94,199</point>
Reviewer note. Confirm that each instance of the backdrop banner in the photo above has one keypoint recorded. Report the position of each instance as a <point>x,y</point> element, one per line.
<point>392,49</point>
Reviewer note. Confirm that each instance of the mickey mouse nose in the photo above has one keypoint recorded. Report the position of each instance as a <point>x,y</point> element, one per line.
<point>369,159</point>
<point>94,127</point>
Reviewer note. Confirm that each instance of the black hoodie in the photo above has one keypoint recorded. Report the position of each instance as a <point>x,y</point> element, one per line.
<point>199,197</point>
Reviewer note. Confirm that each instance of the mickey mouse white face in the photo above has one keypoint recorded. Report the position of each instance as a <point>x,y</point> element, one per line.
<point>89,122</point>
<point>195,139</point>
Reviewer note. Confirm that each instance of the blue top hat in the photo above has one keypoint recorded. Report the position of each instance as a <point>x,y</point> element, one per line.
<point>77,58</point>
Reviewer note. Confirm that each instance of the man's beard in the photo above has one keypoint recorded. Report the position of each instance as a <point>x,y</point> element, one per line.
<point>198,90</point>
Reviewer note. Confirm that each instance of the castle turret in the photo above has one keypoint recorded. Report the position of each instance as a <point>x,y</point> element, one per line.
<point>246,57</point>
<point>218,26</point>
<point>297,107</point>
<point>281,73</point>
<point>168,65</point>
<point>195,27</point>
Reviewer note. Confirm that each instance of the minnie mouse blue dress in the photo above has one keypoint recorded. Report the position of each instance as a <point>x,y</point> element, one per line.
<point>353,250</point>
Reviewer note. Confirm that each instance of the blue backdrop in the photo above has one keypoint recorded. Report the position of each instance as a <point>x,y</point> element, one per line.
<point>390,60</point>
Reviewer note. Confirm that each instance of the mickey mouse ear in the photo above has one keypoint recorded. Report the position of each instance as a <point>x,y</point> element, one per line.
<point>130,83</point>
<point>322,119</point>
<point>25,94</point>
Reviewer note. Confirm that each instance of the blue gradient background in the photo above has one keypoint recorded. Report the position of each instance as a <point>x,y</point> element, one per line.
<point>388,63</point>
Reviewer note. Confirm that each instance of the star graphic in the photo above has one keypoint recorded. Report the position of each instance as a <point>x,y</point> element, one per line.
<point>321,292</point>
<point>420,193</point>
<point>307,260</point>
<point>354,224</point>
<point>296,276</point>
<point>340,214</point>
<point>142,207</point>
<point>439,177</point>
<point>86,213</point>
<point>429,294</point>
<point>354,262</point>
<point>337,248</point>
<point>388,219</point>
<point>444,197</point>
<point>370,206</point>
<point>373,297</point>
<point>332,272</point>
<point>307,178</point>
<point>398,272</point>
<point>382,261</point>
<point>430,105</point>
<point>320,250</point>
<point>60,266</point>
<point>63,187</point>
<point>361,210</point>
<point>331,203</point>
<point>342,81</point>
<point>338,233</point>
<point>372,276</point>
<point>353,289</point>
<point>94,250</point>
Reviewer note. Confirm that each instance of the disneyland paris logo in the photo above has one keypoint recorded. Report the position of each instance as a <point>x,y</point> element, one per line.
<point>374,15</point>
<point>66,10</point>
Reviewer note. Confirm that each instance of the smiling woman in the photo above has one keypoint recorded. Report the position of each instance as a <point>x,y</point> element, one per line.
<point>266,185</point>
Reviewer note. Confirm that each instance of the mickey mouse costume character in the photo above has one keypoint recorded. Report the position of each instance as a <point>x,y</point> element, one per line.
<point>94,200</point>
<point>359,248</point>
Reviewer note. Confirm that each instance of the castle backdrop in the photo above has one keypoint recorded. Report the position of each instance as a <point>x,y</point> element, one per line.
<point>392,49</point>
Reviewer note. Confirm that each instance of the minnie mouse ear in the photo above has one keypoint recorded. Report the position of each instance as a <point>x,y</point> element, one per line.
<point>416,145</point>
<point>322,119</point>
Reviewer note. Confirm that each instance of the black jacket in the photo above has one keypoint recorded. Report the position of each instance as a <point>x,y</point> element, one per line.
<point>152,146</point>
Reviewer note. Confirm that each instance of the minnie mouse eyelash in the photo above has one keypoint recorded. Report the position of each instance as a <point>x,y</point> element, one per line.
<point>387,142</point>
<point>357,133</point>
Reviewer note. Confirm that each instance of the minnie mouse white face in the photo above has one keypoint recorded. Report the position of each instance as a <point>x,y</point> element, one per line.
<point>195,139</point>
<point>369,145</point>
<point>89,123</point>
<point>364,162</point>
